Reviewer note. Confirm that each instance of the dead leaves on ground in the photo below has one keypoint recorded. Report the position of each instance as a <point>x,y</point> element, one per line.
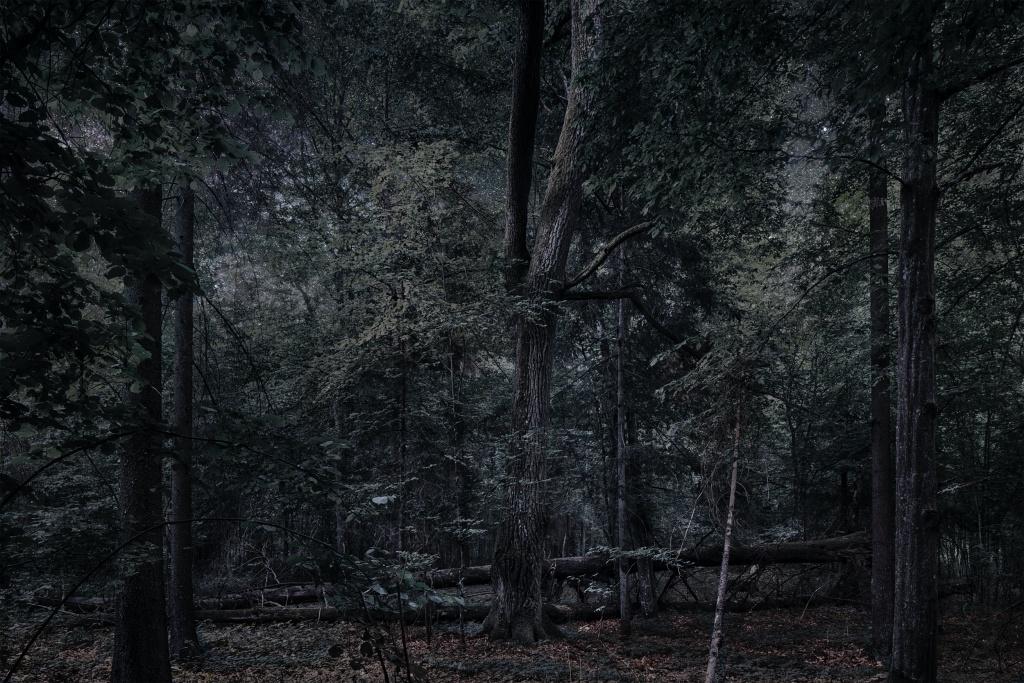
<point>778,646</point>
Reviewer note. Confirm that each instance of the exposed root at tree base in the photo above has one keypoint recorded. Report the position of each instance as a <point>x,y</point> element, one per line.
<point>523,628</point>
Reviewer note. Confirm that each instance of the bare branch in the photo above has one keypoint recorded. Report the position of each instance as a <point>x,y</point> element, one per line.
<point>980,77</point>
<point>605,252</point>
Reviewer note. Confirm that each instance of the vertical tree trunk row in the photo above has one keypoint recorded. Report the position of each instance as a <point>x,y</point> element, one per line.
<point>140,637</point>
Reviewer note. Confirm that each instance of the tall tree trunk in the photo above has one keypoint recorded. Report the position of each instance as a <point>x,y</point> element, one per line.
<point>140,636</point>
<point>882,477</point>
<point>916,567</point>
<point>522,131</point>
<point>516,571</point>
<point>715,672</point>
<point>620,459</point>
<point>183,640</point>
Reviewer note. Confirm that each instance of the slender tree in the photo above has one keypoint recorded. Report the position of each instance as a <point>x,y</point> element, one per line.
<point>140,636</point>
<point>715,671</point>
<point>183,640</point>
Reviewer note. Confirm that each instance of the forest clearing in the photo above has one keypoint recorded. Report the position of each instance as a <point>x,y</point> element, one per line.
<point>532,340</point>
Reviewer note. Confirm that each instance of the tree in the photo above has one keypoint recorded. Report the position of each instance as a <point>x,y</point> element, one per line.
<point>140,638</point>
<point>516,612</point>
<point>181,595</point>
<point>917,517</point>
<point>621,456</point>
<point>927,88</point>
<point>715,670</point>
<point>882,477</point>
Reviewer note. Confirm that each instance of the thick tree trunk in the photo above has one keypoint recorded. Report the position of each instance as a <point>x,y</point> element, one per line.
<point>140,637</point>
<point>519,551</point>
<point>916,566</point>
<point>182,639</point>
<point>516,612</point>
<point>882,476</point>
<point>620,459</point>
<point>715,672</point>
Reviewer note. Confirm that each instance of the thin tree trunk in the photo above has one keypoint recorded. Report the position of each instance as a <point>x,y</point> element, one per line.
<point>183,639</point>
<point>718,629</point>
<point>916,567</point>
<point>403,408</point>
<point>882,477</point>
<point>519,549</point>
<point>462,471</point>
<point>606,407</point>
<point>140,636</point>
<point>620,459</point>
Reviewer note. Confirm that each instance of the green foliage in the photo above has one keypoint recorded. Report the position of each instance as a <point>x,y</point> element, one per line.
<point>354,352</point>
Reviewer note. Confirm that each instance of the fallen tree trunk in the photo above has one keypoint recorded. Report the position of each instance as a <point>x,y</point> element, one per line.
<point>559,613</point>
<point>276,597</point>
<point>839,549</point>
<point>823,551</point>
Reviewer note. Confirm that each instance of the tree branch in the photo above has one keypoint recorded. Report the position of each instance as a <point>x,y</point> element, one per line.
<point>980,77</point>
<point>605,252</point>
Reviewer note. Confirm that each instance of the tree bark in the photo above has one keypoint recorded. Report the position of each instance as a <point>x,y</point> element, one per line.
<point>183,640</point>
<point>916,563</point>
<point>140,636</point>
<point>519,549</point>
<point>718,629</point>
<point>882,476</point>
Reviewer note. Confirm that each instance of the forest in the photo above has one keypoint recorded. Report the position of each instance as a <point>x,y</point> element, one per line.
<point>531,340</point>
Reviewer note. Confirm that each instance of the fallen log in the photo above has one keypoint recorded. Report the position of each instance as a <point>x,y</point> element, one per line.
<point>559,613</point>
<point>275,597</point>
<point>72,604</point>
<point>823,551</point>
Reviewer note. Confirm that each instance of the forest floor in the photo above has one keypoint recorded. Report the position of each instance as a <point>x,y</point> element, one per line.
<point>817,644</point>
